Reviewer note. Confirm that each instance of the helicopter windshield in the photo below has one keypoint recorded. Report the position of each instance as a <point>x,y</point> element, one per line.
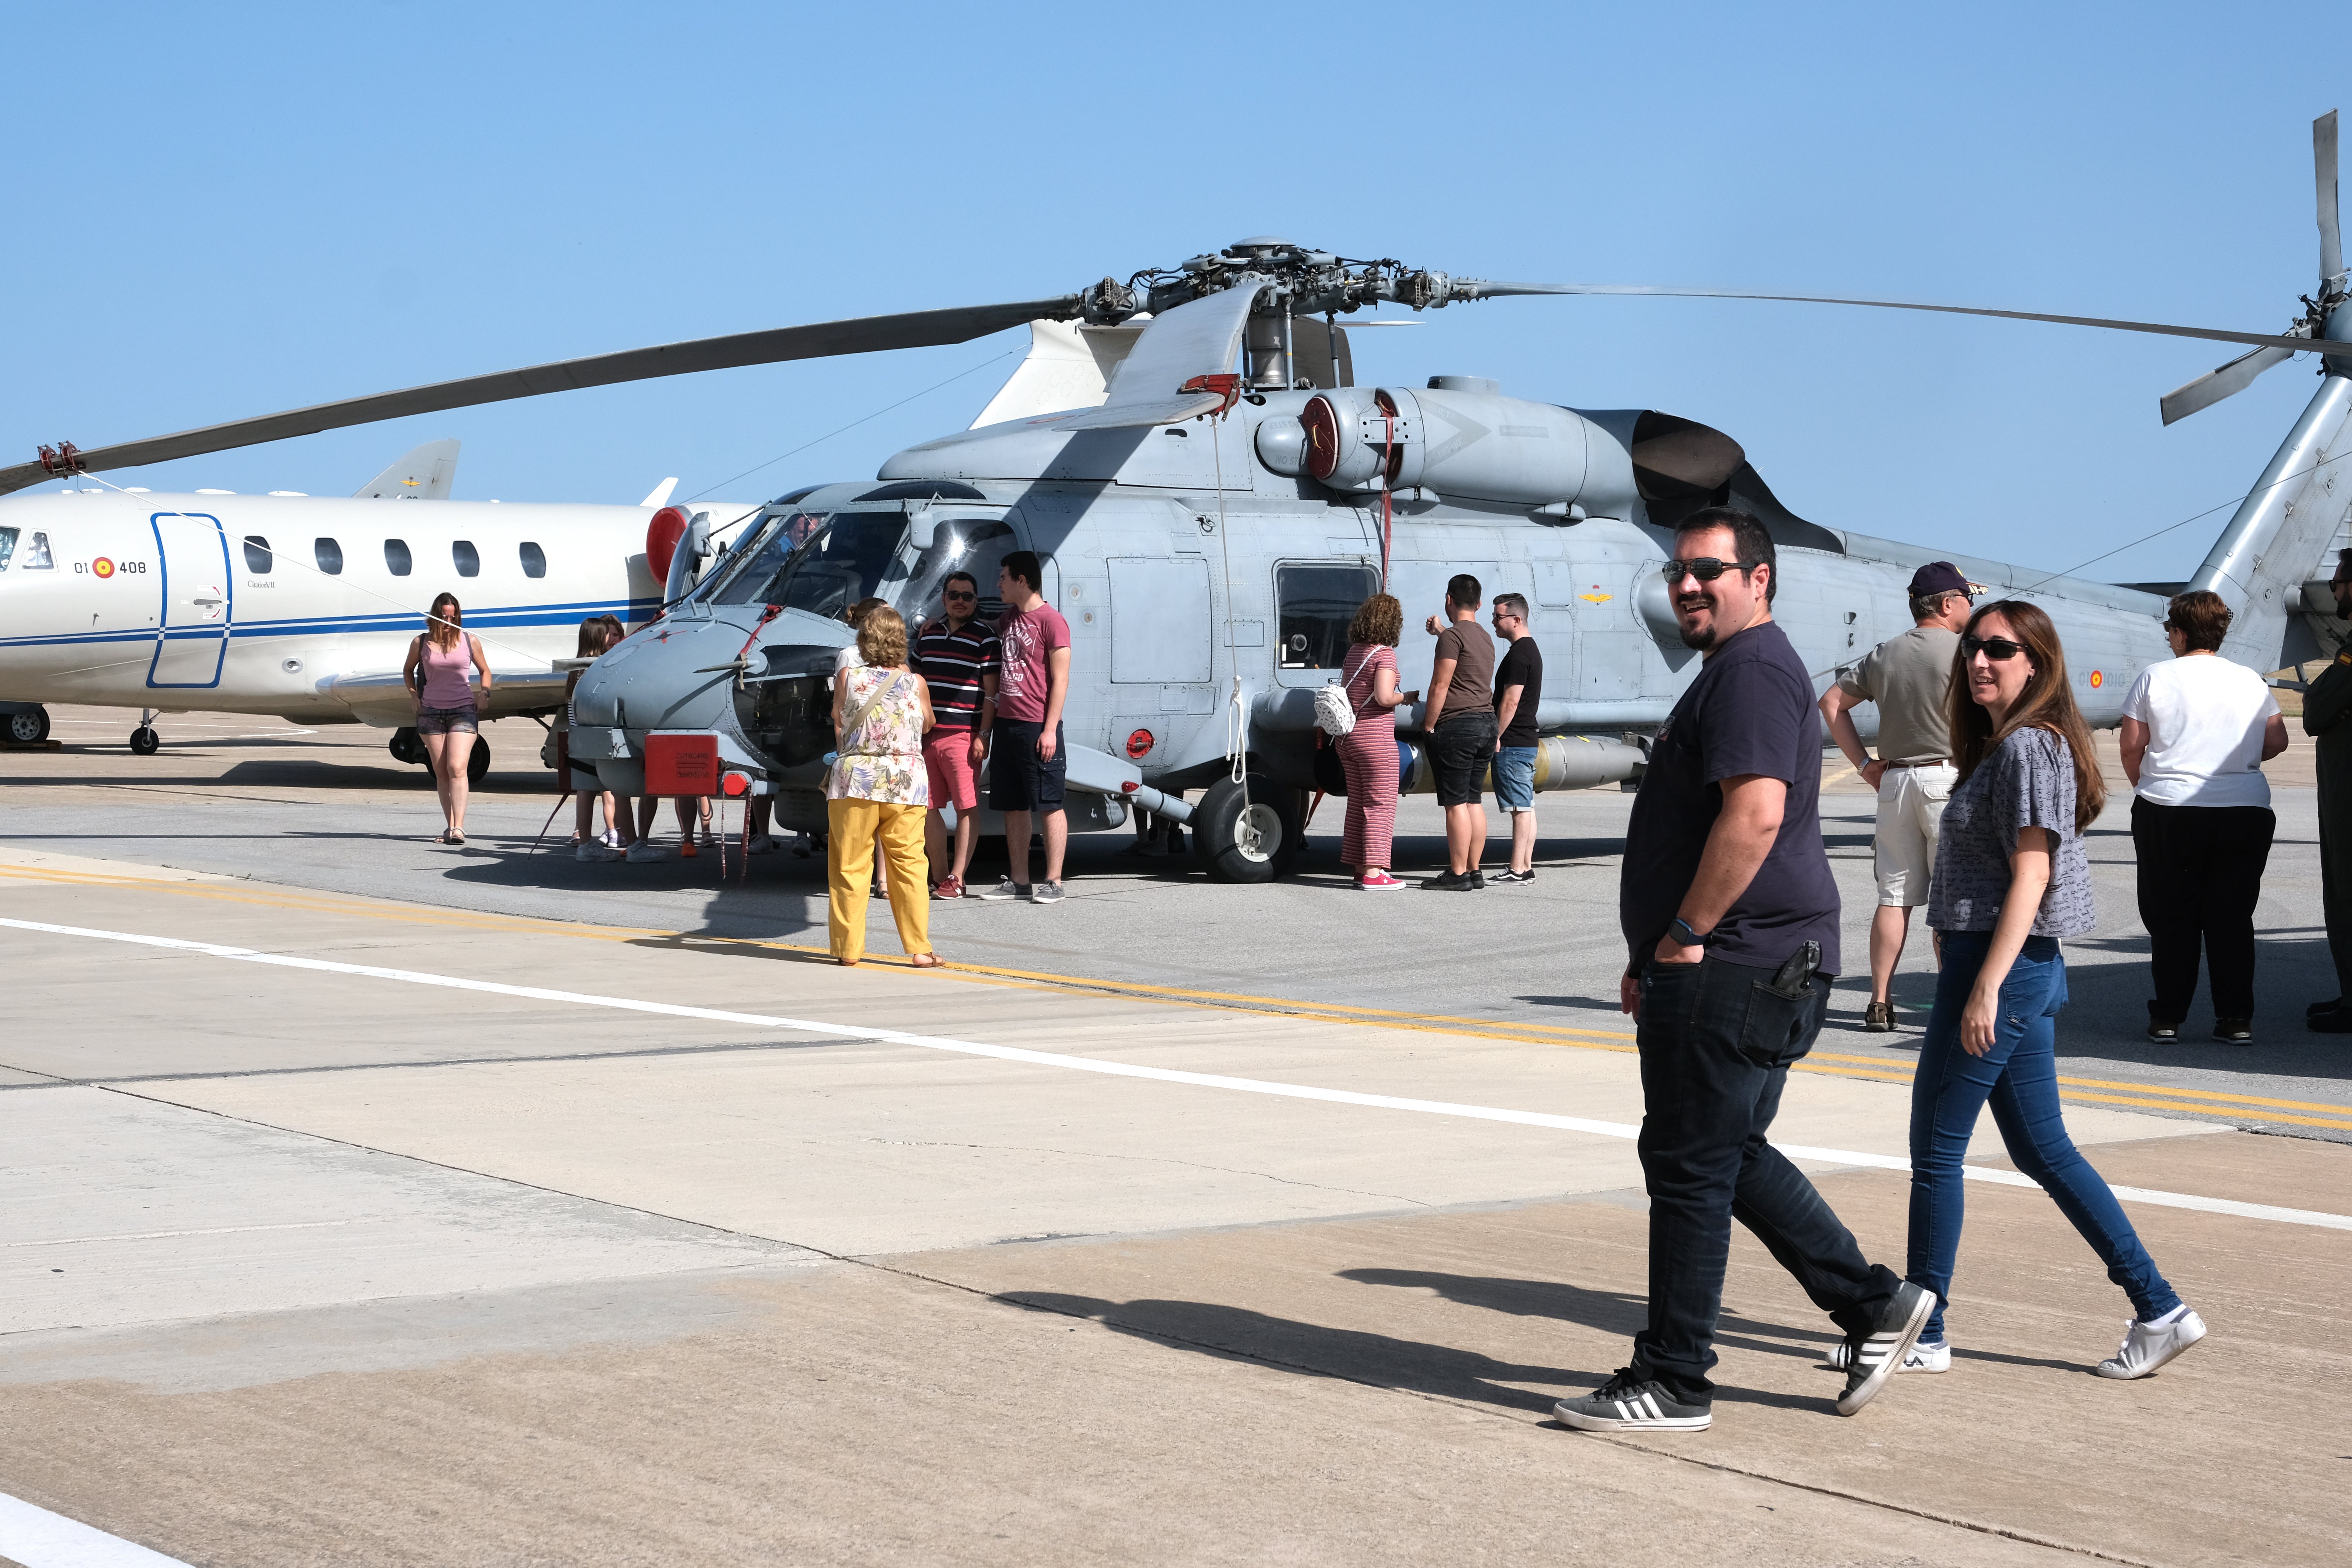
<point>816,562</point>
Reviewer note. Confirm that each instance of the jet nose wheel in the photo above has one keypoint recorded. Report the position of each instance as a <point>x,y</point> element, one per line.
<point>1254,843</point>
<point>28,726</point>
<point>145,742</point>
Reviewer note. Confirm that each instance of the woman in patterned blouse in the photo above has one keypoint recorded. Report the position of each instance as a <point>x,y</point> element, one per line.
<point>878,789</point>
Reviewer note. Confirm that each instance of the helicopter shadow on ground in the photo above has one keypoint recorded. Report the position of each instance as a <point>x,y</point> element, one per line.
<point>2105,1018</point>
<point>1380,1360</point>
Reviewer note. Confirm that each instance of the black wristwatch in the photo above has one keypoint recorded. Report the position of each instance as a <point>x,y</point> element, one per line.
<point>1687,937</point>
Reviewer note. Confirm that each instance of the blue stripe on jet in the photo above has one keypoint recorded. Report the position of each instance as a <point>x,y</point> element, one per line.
<point>630,611</point>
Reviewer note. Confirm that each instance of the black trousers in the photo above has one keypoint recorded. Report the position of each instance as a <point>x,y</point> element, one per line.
<point>2201,874</point>
<point>1717,1044</point>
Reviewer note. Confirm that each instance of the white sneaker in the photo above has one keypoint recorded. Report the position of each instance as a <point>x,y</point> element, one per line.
<point>760,844</point>
<point>2148,1346</point>
<point>592,850</point>
<point>1922,1356</point>
<point>646,850</point>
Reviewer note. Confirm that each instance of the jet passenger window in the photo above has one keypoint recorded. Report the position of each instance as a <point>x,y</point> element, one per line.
<point>466,558</point>
<point>534,560</point>
<point>330,555</point>
<point>258,558</point>
<point>1313,606</point>
<point>7,546</point>
<point>395,557</point>
<point>37,555</point>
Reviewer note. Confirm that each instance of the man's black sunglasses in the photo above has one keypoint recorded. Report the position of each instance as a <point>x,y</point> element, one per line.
<point>1998,649</point>
<point>1707,568</point>
<point>959,594</point>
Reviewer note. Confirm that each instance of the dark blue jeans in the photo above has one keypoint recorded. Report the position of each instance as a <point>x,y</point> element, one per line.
<point>1716,1043</point>
<point>2020,1076</point>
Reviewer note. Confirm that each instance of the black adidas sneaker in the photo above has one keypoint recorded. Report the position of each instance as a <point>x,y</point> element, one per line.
<point>1628,1403</point>
<point>1872,1358</point>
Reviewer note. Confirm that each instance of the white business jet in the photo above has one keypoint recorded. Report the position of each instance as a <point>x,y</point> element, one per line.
<point>303,607</point>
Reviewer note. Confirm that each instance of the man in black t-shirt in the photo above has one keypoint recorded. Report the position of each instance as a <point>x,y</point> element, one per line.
<point>1731,918</point>
<point>1518,689</point>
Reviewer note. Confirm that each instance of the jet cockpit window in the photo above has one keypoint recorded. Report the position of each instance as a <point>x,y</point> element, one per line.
<point>7,547</point>
<point>330,556</point>
<point>534,560</point>
<point>466,558</point>
<point>839,560</point>
<point>396,559</point>
<point>974,544</point>
<point>258,558</point>
<point>1313,606</point>
<point>37,555</point>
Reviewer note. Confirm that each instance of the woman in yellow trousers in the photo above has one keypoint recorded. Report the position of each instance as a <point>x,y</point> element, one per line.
<point>878,790</point>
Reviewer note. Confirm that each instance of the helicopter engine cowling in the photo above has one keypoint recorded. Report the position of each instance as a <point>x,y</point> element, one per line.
<point>1462,441</point>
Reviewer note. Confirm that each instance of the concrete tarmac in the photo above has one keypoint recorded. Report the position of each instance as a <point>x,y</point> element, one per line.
<point>344,1228</point>
<point>330,810</point>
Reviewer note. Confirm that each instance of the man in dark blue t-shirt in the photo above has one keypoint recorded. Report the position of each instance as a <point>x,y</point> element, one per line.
<point>1732,920</point>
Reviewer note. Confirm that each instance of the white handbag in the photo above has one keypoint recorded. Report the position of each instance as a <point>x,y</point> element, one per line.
<point>1334,714</point>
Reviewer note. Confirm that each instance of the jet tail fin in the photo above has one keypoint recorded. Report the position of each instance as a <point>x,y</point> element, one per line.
<point>2274,540</point>
<point>424,474</point>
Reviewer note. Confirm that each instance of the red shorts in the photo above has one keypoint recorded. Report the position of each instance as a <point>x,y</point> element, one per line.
<point>947,757</point>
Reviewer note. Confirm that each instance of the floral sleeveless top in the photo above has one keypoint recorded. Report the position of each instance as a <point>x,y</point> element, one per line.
<point>882,758</point>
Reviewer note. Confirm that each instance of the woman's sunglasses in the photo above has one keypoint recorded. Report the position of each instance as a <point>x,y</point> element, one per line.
<point>2000,650</point>
<point>1705,568</point>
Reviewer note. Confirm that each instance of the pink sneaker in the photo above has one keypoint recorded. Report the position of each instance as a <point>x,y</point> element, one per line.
<point>949,887</point>
<point>1379,882</point>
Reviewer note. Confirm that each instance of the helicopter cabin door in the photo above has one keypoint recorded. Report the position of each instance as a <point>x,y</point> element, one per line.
<point>192,631</point>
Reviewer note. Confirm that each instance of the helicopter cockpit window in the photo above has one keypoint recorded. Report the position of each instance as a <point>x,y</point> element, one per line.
<point>1313,606</point>
<point>37,555</point>
<point>974,544</point>
<point>7,546</point>
<point>839,560</point>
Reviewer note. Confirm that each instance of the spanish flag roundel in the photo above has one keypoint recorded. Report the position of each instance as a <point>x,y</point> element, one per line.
<point>2098,678</point>
<point>102,567</point>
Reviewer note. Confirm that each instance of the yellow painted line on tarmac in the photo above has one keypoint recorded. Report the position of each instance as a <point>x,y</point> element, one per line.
<point>1874,1069</point>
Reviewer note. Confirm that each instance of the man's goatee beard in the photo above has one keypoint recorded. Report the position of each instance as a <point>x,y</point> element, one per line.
<point>1700,640</point>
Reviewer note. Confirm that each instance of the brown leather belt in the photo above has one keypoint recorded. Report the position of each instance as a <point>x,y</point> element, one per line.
<point>1929,762</point>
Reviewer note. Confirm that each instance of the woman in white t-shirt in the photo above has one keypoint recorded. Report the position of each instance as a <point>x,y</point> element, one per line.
<point>2196,734</point>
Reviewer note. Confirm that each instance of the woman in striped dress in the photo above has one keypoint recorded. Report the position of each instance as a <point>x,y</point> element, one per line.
<point>1368,753</point>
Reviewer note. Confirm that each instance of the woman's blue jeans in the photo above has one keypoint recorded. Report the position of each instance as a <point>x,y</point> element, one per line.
<point>2020,1076</point>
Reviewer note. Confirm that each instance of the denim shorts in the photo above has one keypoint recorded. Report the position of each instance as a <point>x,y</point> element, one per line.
<point>1515,778</point>
<point>464,721</point>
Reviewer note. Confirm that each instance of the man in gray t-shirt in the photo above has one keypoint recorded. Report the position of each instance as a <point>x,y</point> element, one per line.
<point>1908,677</point>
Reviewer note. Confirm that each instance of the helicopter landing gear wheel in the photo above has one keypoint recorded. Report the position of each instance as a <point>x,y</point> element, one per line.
<point>406,746</point>
<point>28,726</point>
<point>1254,846</point>
<point>144,742</point>
<point>477,762</point>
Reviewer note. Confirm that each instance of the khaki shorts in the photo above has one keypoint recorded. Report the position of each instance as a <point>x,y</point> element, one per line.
<point>1910,817</point>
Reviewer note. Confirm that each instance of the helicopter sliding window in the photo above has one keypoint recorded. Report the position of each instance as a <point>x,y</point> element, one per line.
<point>395,557</point>
<point>37,555</point>
<point>330,556</point>
<point>974,544</point>
<point>1313,606</point>
<point>466,558</point>
<point>534,560</point>
<point>257,556</point>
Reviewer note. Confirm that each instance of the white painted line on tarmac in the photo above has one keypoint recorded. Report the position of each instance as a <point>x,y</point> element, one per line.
<point>39,1539</point>
<point>866,1033</point>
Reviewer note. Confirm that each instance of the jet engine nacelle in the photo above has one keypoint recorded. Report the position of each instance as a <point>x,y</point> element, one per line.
<point>1459,436</point>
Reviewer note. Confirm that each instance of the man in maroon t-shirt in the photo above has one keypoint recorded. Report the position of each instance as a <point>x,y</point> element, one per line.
<point>1026,773</point>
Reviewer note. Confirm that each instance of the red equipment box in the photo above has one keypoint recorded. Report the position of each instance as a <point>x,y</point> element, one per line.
<point>681,765</point>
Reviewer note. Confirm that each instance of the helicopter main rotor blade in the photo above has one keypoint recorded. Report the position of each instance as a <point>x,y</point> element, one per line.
<point>2216,384</point>
<point>1474,288</point>
<point>2323,161</point>
<point>863,335</point>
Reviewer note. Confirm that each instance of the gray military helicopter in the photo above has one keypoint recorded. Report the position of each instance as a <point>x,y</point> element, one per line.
<point>1209,530</point>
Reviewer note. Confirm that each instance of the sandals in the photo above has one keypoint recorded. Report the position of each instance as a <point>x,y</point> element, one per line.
<point>451,837</point>
<point>927,961</point>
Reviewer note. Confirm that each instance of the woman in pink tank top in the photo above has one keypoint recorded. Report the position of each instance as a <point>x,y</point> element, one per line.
<point>439,670</point>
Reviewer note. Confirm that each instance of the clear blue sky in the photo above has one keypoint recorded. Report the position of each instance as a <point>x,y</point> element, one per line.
<point>230,209</point>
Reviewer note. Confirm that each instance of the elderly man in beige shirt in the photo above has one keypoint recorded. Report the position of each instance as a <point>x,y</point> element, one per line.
<point>1908,677</point>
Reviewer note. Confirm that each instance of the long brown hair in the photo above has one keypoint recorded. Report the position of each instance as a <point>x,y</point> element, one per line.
<point>2046,703</point>
<point>444,628</point>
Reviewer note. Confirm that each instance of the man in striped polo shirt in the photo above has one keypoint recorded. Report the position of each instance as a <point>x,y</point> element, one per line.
<point>959,655</point>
